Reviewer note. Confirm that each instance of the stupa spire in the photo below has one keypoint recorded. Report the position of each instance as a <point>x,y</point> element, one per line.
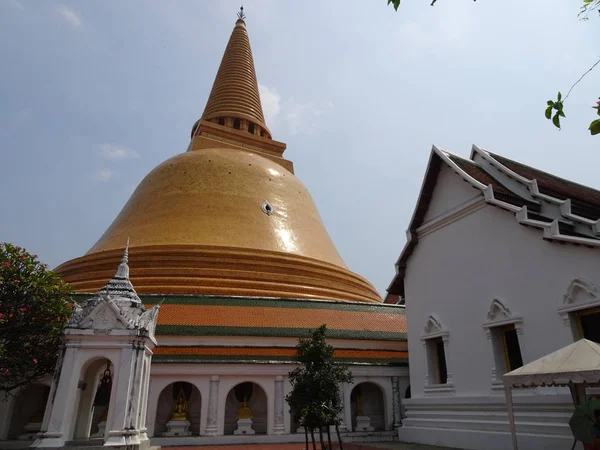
<point>234,100</point>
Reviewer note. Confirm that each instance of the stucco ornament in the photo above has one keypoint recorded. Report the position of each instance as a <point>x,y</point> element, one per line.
<point>115,306</point>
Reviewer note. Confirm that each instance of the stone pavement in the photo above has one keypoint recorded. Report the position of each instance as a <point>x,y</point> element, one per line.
<point>301,446</point>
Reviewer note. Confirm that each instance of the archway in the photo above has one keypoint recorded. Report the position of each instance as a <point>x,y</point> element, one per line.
<point>367,400</point>
<point>93,398</point>
<point>251,397</point>
<point>178,401</point>
<point>28,412</point>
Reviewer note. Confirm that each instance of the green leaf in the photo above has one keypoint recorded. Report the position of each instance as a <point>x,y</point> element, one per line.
<point>556,121</point>
<point>559,96</point>
<point>549,112</point>
<point>550,103</point>
<point>561,114</point>
<point>595,127</point>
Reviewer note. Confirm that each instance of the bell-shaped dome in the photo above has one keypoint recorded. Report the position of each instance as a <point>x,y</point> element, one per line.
<point>225,222</point>
<point>227,217</point>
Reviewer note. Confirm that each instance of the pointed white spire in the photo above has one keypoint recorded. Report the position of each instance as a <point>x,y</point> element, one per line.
<point>119,286</point>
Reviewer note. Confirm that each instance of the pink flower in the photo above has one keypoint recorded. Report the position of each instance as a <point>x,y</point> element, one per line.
<point>5,371</point>
<point>598,103</point>
<point>35,360</point>
<point>1,316</point>
<point>6,264</point>
<point>22,256</point>
<point>23,309</point>
<point>18,248</point>
<point>35,256</point>
<point>16,281</point>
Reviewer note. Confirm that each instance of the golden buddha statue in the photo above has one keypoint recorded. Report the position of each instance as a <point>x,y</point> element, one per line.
<point>359,411</point>
<point>38,417</point>
<point>244,412</point>
<point>180,409</point>
<point>104,416</point>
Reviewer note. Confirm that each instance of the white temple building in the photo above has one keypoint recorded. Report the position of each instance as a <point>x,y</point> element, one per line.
<point>501,267</point>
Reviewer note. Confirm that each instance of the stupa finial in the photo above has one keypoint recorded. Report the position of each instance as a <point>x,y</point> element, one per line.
<point>241,14</point>
<point>125,258</point>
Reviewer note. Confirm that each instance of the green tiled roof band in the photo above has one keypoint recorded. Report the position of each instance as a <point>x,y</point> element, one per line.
<point>191,330</point>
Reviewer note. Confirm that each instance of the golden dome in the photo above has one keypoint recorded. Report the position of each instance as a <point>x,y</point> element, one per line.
<point>228,217</point>
<point>224,222</point>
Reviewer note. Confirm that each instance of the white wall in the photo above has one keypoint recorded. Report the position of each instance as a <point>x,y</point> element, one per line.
<point>458,270</point>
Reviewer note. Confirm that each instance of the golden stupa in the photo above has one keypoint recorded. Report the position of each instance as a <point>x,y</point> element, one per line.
<point>228,217</point>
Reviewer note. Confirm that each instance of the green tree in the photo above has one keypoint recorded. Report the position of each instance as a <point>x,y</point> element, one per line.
<point>34,308</point>
<point>315,399</point>
<point>555,109</point>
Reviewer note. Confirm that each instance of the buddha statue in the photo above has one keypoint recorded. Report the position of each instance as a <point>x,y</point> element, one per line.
<point>180,409</point>
<point>244,412</point>
<point>104,416</point>
<point>359,411</point>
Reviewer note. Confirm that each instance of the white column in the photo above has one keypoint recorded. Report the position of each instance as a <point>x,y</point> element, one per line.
<point>396,402</point>
<point>278,421</point>
<point>6,409</point>
<point>116,426</point>
<point>61,403</point>
<point>145,392</point>
<point>343,426</point>
<point>348,405</point>
<point>213,402</point>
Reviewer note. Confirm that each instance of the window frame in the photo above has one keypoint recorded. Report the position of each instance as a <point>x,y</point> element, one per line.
<point>433,332</point>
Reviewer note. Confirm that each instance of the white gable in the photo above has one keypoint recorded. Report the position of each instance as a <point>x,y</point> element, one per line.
<point>450,192</point>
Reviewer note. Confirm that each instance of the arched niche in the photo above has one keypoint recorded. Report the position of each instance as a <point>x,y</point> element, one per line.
<point>89,416</point>
<point>367,399</point>
<point>28,412</point>
<point>256,399</point>
<point>166,403</point>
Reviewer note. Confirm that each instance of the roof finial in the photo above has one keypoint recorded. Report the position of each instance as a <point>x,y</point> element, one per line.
<point>241,14</point>
<point>125,258</point>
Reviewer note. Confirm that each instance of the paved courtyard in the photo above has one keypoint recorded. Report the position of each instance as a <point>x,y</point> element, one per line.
<point>299,446</point>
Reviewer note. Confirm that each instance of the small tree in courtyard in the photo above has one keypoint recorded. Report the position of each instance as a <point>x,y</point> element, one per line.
<point>34,308</point>
<point>315,399</point>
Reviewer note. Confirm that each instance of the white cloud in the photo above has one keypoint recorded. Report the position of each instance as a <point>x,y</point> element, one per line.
<point>297,116</point>
<point>13,3</point>
<point>301,117</point>
<point>103,174</point>
<point>70,16</point>
<point>271,103</point>
<point>115,152</point>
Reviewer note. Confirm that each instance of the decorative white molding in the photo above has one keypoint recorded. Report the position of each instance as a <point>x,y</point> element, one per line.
<point>439,389</point>
<point>499,314</point>
<point>434,329</point>
<point>581,294</point>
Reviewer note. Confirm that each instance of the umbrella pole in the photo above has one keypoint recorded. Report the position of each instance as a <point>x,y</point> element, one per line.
<point>511,415</point>
<point>574,444</point>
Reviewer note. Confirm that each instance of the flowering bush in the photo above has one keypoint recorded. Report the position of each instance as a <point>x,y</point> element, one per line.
<point>34,307</point>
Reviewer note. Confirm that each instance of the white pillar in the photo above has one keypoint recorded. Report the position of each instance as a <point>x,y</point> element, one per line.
<point>347,405</point>
<point>119,401</point>
<point>213,401</point>
<point>396,402</point>
<point>61,402</point>
<point>343,426</point>
<point>278,420</point>
<point>6,409</point>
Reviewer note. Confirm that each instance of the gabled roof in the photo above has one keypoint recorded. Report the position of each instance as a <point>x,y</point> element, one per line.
<point>565,211</point>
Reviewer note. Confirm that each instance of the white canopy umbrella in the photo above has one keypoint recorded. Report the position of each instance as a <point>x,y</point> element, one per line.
<point>577,365</point>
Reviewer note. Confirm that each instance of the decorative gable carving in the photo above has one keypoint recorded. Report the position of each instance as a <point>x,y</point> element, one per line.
<point>115,307</point>
<point>434,328</point>
<point>499,314</point>
<point>581,290</point>
<point>581,294</point>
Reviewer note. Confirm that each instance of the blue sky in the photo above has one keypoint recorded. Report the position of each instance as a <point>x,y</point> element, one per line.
<point>95,94</point>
